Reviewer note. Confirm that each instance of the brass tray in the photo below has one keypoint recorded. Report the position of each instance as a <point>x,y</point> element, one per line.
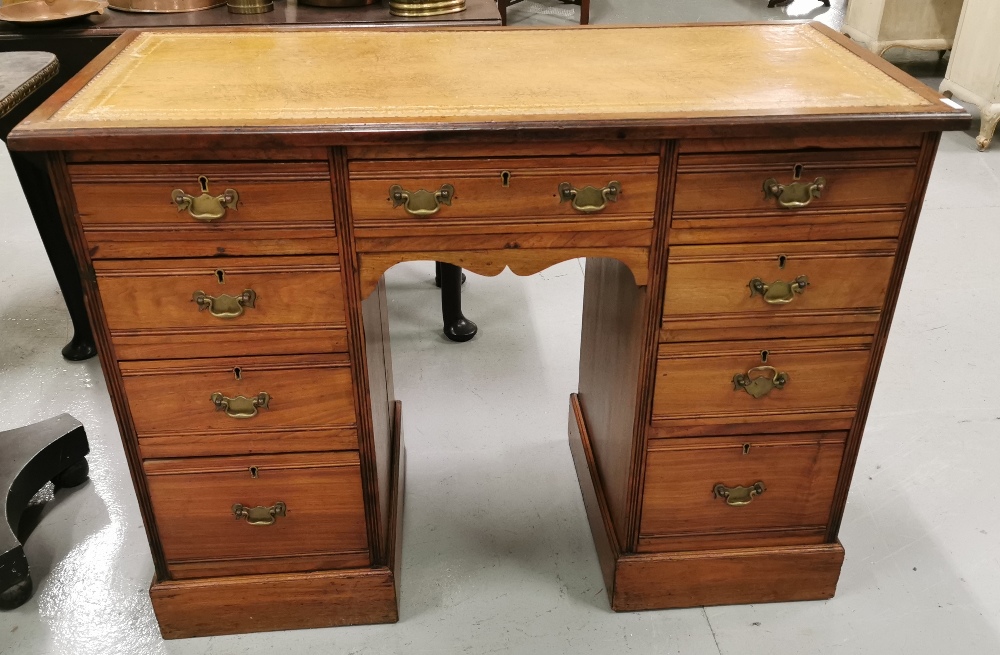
<point>43,12</point>
<point>164,6</point>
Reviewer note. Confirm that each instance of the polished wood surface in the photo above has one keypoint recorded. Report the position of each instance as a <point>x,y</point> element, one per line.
<point>682,512</point>
<point>669,317</point>
<point>298,306</point>
<point>324,515</point>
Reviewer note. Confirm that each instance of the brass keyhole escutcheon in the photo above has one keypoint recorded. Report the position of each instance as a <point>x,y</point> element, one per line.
<point>254,472</point>
<point>505,179</point>
<point>220,275</point>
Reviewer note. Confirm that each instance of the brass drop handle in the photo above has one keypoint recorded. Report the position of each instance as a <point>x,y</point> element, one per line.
<point>224,305</point>
<point>240,406</point>
<point>739,496</point>
<point>589,200</point>
<point>759,381</point>
<point>205,207</point>
<point>259,515</point>
<point>778,292</point>
<point>421,202</point>
<point>796,194</point>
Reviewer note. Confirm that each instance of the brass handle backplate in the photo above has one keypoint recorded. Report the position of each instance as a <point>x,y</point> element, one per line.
<point>759,381</point>
<point>259,515</point>
<point>421,202</point>
<point>796,194</point>
<point>589,200</point>
<point>240,406</point>
<point>205,207</point>
<point>739,496</point>
<point>224,305</point>
<point>778,292</point>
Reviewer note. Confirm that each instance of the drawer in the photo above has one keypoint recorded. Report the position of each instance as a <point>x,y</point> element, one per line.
<point>246,404</point>
<point>512,190</point>
<point>128,210</point>
<point>780,380</point>
<point>298,513</point>
<point>220,307</point>
<point>731,492</point>
<point>762,291</point>
<point>721,198</point>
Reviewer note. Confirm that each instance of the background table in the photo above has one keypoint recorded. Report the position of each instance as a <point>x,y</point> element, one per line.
<point>75,44</point>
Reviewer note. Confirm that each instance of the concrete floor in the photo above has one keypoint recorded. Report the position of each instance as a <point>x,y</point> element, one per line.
<point>498,556</point>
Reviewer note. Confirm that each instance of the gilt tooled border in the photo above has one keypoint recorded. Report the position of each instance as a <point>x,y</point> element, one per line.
<point>35,82</point>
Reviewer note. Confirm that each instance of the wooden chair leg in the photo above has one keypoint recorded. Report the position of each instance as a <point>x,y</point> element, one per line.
<point>502,6</point>
<point>585,12</point>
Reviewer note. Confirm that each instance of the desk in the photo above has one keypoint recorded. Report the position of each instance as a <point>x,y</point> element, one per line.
<point>77,43</point>
<point>745,236</point>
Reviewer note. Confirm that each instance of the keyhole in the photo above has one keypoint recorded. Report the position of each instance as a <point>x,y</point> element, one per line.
<point>505,179</point>
<point>798,171</point>
<point>203,181</point>
<point>220,275</point>
<point>763,356</point>
<point>782,260</point>
<point>746,449</point>
<point>238,373</point>
<point>254,472</point>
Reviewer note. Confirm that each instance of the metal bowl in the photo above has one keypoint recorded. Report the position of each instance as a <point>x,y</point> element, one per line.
<point>164,6</point>
<point>46,12</point>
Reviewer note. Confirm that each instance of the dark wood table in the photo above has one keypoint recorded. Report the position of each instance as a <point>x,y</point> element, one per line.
<point>76,44</point>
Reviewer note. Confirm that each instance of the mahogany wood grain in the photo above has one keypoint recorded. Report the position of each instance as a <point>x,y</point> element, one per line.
<point>529,193</point>
<point>358,351</point>
<point>610,357</point>
<point>733,182</point>
<point>510,236</point>
<point>126,209</point>
<point>695,380</point>
<point>784,226</point>
<point>106,353</point>
<point>727,577</point>
<point>501,149</point>
<point>682,512</point>
<point>383,402</point>
<point>521,261</point>
<point>799,142</point>
<point>262,603</point>
<point>708,287</point>
<point>150,309</point>
<point>193,500</point>
<point>173,397</point>
<point>594,499</point>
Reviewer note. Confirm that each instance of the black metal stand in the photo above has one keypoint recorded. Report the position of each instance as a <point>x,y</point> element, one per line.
<point>54,449</point>
<point>456,327</point>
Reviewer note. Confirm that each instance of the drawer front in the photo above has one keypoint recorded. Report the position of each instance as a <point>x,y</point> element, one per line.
<point>852,178</point>
<point>218,307</point>
<point>227,398</point>
<point>721,198</point>
<point>754,289</point>
<point>739,491</point>
<point>130,210</point>
<point>316,517</point>
<point>730,383</point>
<point>524,190</point>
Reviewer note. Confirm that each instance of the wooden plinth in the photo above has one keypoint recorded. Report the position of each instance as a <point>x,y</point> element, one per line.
<point>320,599</point>
<point>691,579</point>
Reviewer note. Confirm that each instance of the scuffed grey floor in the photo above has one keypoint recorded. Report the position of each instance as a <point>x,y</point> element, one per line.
<point>498,556</point>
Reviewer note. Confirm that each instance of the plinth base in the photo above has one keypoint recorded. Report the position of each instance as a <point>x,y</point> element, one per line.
<point>289,601</point>
<point>695,578</point>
